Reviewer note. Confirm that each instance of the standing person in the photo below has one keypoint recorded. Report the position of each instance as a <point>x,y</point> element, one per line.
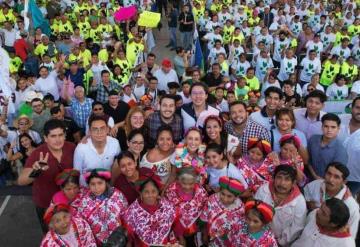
<point>44,164</point>
<point>165,75</point>
<point>195,112</point>
<point>104,87</point>
<point>327,147</point>
<point>242,127</point>
<point>308,120</point>
<point>172,23</point>
<point>66,229</point>
<point>223,211</point>
<point>290,206</point>
<point>117,109</point>
<point>186,27</point>
<point>333,186</point>
<point>39,115</point>
<point>166,115</point>
<point>266,117</point>
<point>102,206</point>
<point>350,135</point>
<point>327,226</point>
<point>99,151</point>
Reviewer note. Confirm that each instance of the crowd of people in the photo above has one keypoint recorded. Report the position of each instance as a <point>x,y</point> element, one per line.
<point>226,143</point>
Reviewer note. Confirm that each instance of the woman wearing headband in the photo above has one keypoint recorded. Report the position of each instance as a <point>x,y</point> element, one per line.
<point>65,229</point>
<point>223,211</point>
<point>255,231</point>
<point>189,198</point>
<point>102,206</point>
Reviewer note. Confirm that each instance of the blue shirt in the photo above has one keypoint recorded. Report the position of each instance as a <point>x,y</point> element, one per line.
<point>81,111</point>
<point>276,136</point>
<point>321,156</point>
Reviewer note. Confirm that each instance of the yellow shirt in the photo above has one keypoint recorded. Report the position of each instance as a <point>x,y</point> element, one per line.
<point>124,65</point>
<point>132,51</point>
<point>105,28</point>
<point>103,55</point>
<point>198,13</point>
<point>15,64</point>
<point>254,83</point>
<point>329,73</point>
<point>84,29</point>
<point>41,49</point>
<point>65,28</point>
<point>227,33</point>
<point>95,35</point>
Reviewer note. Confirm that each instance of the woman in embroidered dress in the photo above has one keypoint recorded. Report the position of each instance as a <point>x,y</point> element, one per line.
<point>289,155</point>
<point>255,231</point>
<point>66,230</point>
<point>190,154</point>
<point>102,206</point>
<point>70,192</point>
<point>158,158</point>
<point>150,221</point>
<point>130,175</point>
<point>223,211</point>
<point>252,166</point>
<point>189,198</point>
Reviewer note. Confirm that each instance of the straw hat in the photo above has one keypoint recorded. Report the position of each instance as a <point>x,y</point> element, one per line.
<point>16,121</point>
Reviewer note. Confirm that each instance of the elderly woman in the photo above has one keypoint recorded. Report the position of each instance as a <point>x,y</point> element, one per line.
<point>189,198</point>
<point>102,206</point>
<point>65,229</point>
<point>150,220</point>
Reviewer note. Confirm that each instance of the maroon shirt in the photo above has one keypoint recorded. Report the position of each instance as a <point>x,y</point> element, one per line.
<point>44,186</point>
<point>128,188</point>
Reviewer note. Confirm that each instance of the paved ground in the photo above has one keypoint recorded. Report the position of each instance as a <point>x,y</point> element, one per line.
<point>19,226</point>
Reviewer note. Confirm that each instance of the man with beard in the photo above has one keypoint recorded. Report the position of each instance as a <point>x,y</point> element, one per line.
<point>350,135</point>
<point>266,117</point>
<point>290,206</point>
<point>243,127</point>
<point>327,226</point>
<point>333,186</point>
<point>166,115</point>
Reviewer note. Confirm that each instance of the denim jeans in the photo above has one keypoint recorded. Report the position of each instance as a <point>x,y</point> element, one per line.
<point>173,41</point>
<point>186,39</point>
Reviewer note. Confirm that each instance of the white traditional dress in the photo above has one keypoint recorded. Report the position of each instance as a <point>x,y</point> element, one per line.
<point>315,192</point>
<point>314,236</point>
<point>80,234</point>
<point>290,215</point>
<point>221,219</point>
<point>103,213</point>
<point>148,228</point>
<point>188,208</point>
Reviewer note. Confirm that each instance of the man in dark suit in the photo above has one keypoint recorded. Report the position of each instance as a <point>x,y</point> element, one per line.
<point>267,16</point>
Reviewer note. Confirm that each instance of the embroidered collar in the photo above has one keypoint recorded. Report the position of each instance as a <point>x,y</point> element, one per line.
<point>341,233</point>
<point>295,192</point>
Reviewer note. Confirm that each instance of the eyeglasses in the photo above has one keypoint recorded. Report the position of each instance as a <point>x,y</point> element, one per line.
<point>101,130</point>
<point>137,143</point>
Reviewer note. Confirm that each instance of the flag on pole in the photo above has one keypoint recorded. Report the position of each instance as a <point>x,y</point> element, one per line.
<point>37,18</point>
<point>197,57</point>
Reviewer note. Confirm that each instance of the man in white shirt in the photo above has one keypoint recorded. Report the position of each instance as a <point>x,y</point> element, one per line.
<point>99,151</point>
<point>333,186</point>
<point>310,65</point>
<point>9,35</point>
<point>327,226</point>
<point>165,75</point>
<point>342,50</point>
<point>290,206</point>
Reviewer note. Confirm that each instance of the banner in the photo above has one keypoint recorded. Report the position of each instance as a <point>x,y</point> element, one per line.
<point>338,107</point>
<point>38,19</point>
<point>197,58</point>
<point>149,19</point>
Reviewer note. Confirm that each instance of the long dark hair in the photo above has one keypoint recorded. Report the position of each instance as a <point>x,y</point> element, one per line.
<point>22,148</point>
<point>223,135</point>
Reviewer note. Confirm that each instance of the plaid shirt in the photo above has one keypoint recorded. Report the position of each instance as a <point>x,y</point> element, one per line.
<point>81,111</point>
<point>154,122</point>
<point>252,129</point>
<point>102,93</point>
